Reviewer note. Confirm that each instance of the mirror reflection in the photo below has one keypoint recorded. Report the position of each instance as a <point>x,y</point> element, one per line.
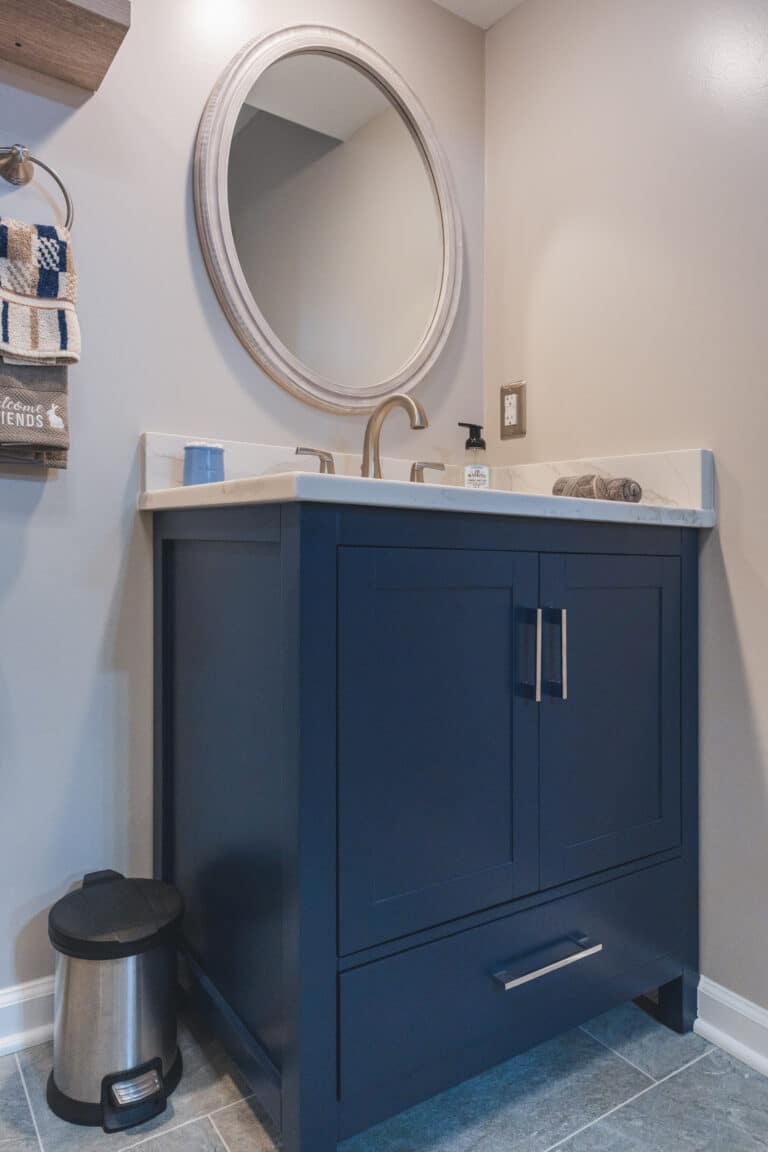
<point>335,219</point>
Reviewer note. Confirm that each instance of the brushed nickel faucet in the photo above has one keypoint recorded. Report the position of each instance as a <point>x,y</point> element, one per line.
<point>371,466</point>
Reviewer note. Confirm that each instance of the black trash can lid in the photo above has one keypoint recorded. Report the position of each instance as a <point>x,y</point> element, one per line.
<point>111,917</point>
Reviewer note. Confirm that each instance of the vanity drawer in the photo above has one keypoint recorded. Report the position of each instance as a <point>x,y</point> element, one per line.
<point>418,1022</point>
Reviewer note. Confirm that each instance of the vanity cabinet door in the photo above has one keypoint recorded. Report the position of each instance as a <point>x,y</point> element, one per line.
<point>437,737</point>
<point>610,751</point>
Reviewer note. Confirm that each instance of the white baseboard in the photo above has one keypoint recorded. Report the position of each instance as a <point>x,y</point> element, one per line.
<point>734,1024</point>
<point>26,1015</point>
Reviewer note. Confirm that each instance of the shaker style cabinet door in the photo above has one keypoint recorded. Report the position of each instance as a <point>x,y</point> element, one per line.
<point>437,737</point>
<point>610,750</point>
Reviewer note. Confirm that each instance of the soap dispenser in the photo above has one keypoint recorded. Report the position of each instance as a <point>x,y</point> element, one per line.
<point>476,473</point>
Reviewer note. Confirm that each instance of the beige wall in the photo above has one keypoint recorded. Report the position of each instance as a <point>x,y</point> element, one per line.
<point>75,585</point>
<point>345,256</point>
<point>627,280</point>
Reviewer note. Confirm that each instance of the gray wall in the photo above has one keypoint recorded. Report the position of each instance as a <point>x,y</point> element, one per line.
<point>627,279</point>
<point>627,266</point>
<point>75,587</point>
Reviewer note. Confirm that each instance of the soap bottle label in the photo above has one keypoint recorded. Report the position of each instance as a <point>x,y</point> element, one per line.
<point>477,476</point>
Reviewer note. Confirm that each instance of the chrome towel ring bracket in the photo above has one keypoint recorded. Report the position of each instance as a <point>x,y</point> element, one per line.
<point>17,166</point>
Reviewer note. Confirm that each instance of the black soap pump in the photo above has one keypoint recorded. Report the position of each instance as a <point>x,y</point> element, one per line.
<point>476,473</point>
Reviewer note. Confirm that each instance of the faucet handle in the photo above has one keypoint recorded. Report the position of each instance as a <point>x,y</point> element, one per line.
<point>327,466</point>
<point>417,470</point>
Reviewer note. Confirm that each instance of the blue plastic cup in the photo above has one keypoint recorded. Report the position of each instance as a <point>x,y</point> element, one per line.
<point>203,464</point>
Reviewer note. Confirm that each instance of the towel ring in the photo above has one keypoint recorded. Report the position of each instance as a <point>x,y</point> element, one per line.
<point>17,166</point>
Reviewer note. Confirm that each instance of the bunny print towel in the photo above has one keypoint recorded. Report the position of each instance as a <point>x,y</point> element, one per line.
<point>33,411</point>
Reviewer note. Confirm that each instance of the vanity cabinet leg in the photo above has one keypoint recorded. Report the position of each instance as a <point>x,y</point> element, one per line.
<point>312,1128</point>
<point>678,1002</point>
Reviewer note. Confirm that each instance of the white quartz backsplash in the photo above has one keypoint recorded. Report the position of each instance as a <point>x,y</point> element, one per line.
<point>676,479</point>
<point>163,462</point>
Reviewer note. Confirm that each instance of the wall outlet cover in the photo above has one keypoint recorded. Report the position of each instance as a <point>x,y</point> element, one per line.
<point>513,415</point>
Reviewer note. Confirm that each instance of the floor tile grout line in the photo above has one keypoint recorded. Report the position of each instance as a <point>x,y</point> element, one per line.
<point>630,1100</point>
<point>185,1123</point>
<point>233,1104</point>
<point>620,1055</point>
<point>159,1132</point>
<point>29,1102</point>
<point>213,1124</point>
<point>483,1135</point>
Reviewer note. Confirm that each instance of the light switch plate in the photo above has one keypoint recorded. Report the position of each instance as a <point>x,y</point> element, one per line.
<point>513,422</point>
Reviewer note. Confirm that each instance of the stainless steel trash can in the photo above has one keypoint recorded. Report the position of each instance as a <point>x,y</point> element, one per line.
<point>115,1053</point>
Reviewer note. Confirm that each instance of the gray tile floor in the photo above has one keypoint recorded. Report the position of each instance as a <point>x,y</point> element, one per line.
<point>621,1084</point>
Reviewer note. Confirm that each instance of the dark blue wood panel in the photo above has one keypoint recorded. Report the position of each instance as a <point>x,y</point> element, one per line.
<point>225,662</point>
<point>417,1023</point>
<point>500,911</point>
<point>610,753</point>
<point>678,999</point>
<point>438,758</point>
<point>308,831</point>
<point>394,528</point>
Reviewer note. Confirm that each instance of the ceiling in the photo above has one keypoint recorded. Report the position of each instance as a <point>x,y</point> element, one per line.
<point>320,93</point>
<point>484,13</point>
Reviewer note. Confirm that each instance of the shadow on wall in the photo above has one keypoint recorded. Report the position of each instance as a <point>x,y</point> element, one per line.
<point>46,87</point>
<point>55,103</point>
<point>17,511</point>
<point>29,925</point>
<point>734,789</point>
<point>120,774</point>
<point>127,657</point>
<point>16,515</point>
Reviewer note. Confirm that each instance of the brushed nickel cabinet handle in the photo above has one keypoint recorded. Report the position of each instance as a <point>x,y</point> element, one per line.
<point>564,651</point>
<point>539,630</point>
<point>585,949</point>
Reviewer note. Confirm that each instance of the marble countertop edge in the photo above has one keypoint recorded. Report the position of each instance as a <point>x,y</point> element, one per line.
<point>312,487</point>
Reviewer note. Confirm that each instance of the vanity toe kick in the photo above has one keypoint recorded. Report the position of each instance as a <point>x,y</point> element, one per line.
<point>420,1021</point>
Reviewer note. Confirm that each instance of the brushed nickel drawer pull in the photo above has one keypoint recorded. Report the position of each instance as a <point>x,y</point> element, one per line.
<point>539,630</point>
<point>586,948</point>
<point>564,650</point>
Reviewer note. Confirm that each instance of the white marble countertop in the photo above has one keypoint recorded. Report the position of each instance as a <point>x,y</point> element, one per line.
<point>289,486</point>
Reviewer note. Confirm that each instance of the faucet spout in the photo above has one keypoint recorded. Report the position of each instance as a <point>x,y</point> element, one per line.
<point>371,466</point>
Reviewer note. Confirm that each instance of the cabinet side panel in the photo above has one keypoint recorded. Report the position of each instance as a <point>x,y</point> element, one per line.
<point>224,715</point>
<point>678,999</point>
<point>309,1068</point>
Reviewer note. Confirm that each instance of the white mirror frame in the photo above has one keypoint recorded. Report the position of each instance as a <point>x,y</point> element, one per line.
<point>211,170</point>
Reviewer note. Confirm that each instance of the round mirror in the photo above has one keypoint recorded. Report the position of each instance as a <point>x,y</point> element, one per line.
<point>327,219</point>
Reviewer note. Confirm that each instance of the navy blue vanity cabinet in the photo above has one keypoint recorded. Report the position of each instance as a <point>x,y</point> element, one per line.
<point>428,785</point>
<point>437,737</point>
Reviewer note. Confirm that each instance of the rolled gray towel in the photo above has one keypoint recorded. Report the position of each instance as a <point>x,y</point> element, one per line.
<point>625,489</point>
<point>593,487</point>
<point>588,487</point>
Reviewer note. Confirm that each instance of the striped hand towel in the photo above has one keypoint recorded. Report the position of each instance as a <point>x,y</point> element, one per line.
<point>38,292</point>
